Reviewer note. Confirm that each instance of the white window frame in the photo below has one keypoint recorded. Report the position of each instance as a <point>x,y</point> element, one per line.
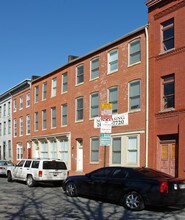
<point>94,150</point>
<point>112,61</point>
<point>44,91</point>
<point>94,70</point>
<point>134,52</point>
<point>44,119</point>
<point>54,87</point>
<point>134,97</point>
<point>21,102</point>
<point>27,100</point>
<point>15,127</point>
<point>36,121</point>
<point>64,113</point>
<point>53,117</point>
<point>27,124</point>
<point>36,94</point>
<point>79,75</point>
<point>14,105</point>
<point>19,151</point>
<point>94,106</point>
<point>21,126</point>
<point>114,102</point>
<point>79,109</point>
<point>64,82</point>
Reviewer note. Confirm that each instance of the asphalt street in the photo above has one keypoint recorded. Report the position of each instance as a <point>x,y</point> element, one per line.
<point>46,202</point>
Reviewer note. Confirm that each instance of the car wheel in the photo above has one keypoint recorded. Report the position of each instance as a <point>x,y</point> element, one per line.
<point>9,177</point>
<point>30,181</point>
<point>133,201</point>
<point>71,189</point>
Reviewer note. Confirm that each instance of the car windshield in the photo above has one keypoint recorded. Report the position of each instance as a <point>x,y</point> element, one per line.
<point>2,163</point>
<point>54,165</point>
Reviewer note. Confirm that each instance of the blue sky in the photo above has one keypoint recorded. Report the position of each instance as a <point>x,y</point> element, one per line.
<point>36,36</point>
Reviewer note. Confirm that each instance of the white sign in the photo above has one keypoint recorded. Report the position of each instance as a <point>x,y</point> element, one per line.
<point>117,120</point>
<point>106,127</point>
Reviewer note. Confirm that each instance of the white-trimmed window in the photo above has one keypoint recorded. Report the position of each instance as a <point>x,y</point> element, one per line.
<point>44,149</point>
<point>9,108</point>
<point>64,150</point>
<point>94,68</point>
<point>113,98</point>
<point>21,103</point>
<point>95,149</point>
<point>94,105</point>
<point>14,105</point>
<point>53,149</point>
<point>64,82</point>
<point>79,109</point>
<point>54,87</point>
<point>53,117</point>
<point>4,129</point>
<point>44,90</point>
<point>15,127</point>
<point>21,126</point>
<point>64,114</point>
<point>19,152</point>
<point>79,74</point>
<point>27,99</point>
<point>44,120</point>
<point>9,126</point>
<point>36,121</point>
<point>134,95</point>
<point>113,61</point>
<point>134,51</point>
<point>132,150</point>
<point>36,94</point>
<point>116,150</point>
<point>4,110</point>
<point>28,124</point>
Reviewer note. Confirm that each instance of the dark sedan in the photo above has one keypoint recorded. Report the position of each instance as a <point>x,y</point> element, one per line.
<point>134,188</point>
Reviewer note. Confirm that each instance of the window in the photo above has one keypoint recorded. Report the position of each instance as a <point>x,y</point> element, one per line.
<point>19,152</point>
<point>64,114</point>
<point>44,150</point>
<point>94,68</point>
<point>36,97</point>
<point>0,111</point>
<point>9,108</point>
<point>94,105</point>
<point>15,127</point>
<point>9,126</point>
<point>44,119</point>
<point>54,87</point>
<point>44,91</point>
<point>21,102</point>
<point>36,118</point>
<point>9,149</point>
<point>27,99</point>
<point>79,109</point>
<point>116,150</point>
<point>0,129</point>
<point>80,74</point>
<point>14,105</point>
<point>168,35</point>
<point>53,149</point>
<point>113,98</point>
<point>113,61</point>
<point>4,130</point>
<point>168,83</point>
<point>4,110</point>
<point>28,124</point>
<point>135,52</point>
<point>53,117</point>
<point>64,82</point>
<point>132,150</point>
<point>21,126</point>
<point>134,95</point>
<point>94,149</point>
<point>64,150</point>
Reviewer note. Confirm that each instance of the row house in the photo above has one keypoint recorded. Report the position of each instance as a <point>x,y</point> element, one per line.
<point>6,140</point>
<point>66,102</point>
<point>167,90</point>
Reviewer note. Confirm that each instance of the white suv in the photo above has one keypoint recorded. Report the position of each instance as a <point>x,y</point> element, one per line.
<point>38,170</point>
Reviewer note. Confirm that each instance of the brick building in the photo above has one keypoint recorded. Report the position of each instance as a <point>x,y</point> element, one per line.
<point>166,74</point>
<point>66,101</point>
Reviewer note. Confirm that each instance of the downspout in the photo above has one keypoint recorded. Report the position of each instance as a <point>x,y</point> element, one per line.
<point>147,96</point>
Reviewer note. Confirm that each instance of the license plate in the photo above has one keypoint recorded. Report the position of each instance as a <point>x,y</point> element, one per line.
<point>55,174</point>
<point>182,186</point>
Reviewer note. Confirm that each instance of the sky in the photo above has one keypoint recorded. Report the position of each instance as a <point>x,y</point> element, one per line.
<point>36,36</point>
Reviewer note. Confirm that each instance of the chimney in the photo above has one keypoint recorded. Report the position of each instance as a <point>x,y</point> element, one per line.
<point>71,57</point>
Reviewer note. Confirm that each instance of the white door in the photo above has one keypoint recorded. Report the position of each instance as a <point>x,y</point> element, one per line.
<point>79,165</point>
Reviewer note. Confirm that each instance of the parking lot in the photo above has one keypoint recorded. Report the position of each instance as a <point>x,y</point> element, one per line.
<point>18,202</point>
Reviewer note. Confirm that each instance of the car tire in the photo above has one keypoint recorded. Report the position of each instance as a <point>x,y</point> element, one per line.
<point>9,177</point>
<point>133,201</point>
<point>30,181</point>
<point>71,189</point>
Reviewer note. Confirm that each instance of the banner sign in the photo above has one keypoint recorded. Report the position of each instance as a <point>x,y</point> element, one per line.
<point>117,120</point>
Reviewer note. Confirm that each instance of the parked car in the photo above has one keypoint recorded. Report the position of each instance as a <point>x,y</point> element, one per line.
<point>3,166</point>
<point>33,171</point>
<point>134,188</point>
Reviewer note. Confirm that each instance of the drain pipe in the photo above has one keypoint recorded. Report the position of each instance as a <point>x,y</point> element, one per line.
<point>147,96</point>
